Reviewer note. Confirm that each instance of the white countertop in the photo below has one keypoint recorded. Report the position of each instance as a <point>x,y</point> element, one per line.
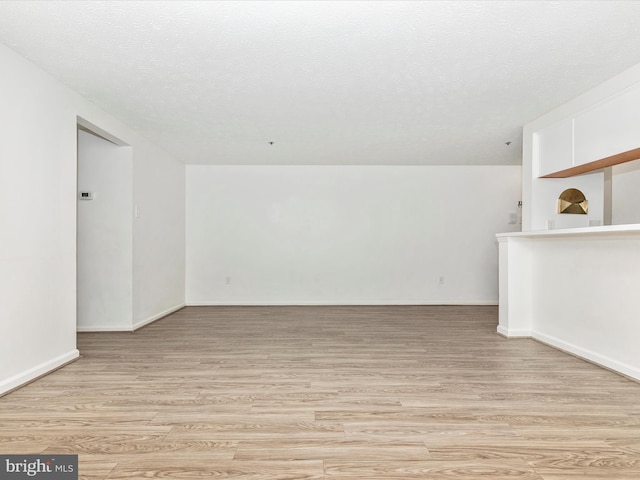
<point>583,231</point>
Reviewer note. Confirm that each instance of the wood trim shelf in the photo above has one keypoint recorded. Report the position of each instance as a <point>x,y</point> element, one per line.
<point>623,157</point>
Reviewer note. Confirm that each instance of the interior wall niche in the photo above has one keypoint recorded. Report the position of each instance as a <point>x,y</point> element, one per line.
<point>573,201</point>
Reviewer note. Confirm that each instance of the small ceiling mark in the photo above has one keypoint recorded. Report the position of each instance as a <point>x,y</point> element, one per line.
<point>507,143</point>
<point>270,143</point>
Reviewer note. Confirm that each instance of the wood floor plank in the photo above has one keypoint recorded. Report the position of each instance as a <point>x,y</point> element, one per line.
<point>263,393</point>
<point>432,470</point>
<point>274,431</point>
<point>319,449</point>
<point>123,446</point>
<point>232,470</point>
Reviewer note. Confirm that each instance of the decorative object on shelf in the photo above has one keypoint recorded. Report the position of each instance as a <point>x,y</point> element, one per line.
<point>573,201</point>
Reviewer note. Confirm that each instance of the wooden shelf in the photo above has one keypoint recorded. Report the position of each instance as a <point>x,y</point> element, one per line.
<point>623,157</point>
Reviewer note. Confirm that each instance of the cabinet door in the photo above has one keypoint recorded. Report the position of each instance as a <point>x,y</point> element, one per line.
<point>609,128</point>
<point>554,147</point>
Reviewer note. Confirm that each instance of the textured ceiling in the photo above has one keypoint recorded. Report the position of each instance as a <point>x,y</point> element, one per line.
<point>399,83</point>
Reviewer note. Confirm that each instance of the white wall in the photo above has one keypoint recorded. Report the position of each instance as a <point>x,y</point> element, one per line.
<point>625,193</point>
<point>38,121</point>
<point>105,236</point>
<point>346,235</point>
<point>585,298</point>
<point>546,216</point>
<point>158,234</point>
<point>37,223</point>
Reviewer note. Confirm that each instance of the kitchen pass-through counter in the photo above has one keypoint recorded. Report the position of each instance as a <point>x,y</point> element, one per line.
<point>575,289</point>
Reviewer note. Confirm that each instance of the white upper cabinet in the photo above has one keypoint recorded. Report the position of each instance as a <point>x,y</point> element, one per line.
<point>553,147</point>
<point>609,128</point>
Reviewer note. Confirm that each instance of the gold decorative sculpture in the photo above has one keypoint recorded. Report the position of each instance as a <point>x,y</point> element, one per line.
<point>573,200</point>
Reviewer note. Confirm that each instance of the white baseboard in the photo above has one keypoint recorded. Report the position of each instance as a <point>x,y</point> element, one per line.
<point>589,355</point>
<point>130,328</point>
<point>158,316</point>
<point>104,328</point>
<point>513,333</point>
<point>306,303</point>
<point>27,376</point>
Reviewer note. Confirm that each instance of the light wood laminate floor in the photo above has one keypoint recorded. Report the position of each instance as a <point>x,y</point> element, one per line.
<point>328,393</point>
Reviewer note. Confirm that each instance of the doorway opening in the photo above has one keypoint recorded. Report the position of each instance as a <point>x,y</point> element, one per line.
<point>104,231</point>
